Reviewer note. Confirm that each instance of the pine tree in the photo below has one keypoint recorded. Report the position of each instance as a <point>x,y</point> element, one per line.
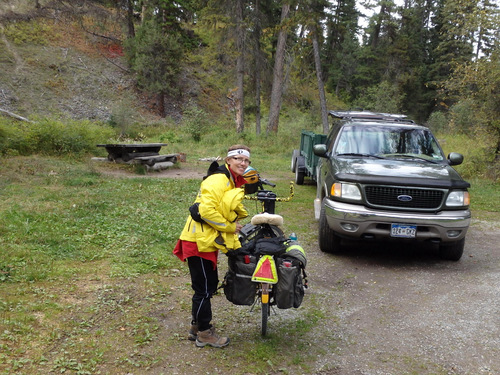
<point>452,44</point>
<point>154,56</point>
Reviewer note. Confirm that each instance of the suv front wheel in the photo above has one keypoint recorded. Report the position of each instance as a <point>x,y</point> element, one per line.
<point>452,250</point>
<point>329,241</point>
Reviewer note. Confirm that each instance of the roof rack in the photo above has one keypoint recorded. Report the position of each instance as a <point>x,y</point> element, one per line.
<point>367,115</point>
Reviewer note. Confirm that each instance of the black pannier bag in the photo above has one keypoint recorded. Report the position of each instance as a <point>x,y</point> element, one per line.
<point>238,285</point>
<point>289,291</point>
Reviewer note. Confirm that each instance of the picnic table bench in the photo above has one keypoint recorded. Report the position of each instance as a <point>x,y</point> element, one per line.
<point>143,153</point>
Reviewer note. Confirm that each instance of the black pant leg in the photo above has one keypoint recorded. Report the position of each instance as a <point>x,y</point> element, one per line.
<point>204,281</point>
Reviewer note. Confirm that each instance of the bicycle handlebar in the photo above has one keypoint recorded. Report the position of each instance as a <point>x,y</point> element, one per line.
<point>266,182</point>
<point>270,197</point>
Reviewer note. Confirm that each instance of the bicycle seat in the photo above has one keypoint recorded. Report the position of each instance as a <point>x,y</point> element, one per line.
<point>266,218</point>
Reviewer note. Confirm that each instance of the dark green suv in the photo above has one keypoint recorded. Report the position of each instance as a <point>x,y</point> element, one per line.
<point>381,176</point>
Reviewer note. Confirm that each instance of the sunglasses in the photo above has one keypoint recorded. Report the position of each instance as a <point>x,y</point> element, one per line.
<point>242,160</point>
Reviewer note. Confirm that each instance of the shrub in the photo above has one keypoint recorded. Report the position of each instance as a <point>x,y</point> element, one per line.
<point>478,158</point>
<point>437,122</point>
<point>169,137</point>
<point>122,116</point>
<point>195,120</point>
<point>3,138</point>
<point>52,137</point>
<point>463,116</point>
<point>384,97</point>
<point>35,32</point>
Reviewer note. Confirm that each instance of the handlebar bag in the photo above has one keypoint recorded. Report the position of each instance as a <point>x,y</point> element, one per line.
<point>270,246</point>
<point>251,188</point>
<point>238,285</point>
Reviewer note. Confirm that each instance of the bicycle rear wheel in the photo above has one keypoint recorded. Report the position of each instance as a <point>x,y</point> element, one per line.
<point>265,316</point>
<point>265,309</point>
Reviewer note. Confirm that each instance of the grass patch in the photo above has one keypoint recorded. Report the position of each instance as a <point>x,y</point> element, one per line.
<point>485,199</point>
<point>74,214</point>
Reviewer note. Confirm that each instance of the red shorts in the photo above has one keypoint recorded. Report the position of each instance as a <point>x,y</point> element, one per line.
<point>186,249</point>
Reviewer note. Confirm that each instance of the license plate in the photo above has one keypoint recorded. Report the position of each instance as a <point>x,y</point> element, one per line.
<point>403,230</point>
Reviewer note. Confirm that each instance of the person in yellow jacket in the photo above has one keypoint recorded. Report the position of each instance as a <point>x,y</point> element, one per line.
<point>220,210</point>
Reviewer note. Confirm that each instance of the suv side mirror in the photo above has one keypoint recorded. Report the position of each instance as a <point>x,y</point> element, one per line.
<point>320,150</point>
<point>454,158</point>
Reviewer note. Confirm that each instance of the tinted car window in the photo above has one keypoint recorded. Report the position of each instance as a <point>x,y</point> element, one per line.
<point>330,142</point>
<point>388,141</point>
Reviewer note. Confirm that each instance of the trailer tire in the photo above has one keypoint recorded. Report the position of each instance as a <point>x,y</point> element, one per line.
<point>299,170</point>
<point>295,155</point>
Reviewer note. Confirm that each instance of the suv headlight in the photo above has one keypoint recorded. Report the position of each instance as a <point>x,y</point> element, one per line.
<point>458,198</point>
<point>346,191</point>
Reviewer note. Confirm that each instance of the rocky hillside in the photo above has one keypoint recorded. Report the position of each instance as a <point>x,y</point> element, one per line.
<point>52,65</point>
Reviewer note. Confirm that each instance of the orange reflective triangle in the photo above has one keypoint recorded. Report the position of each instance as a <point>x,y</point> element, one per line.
<point>265,270</point>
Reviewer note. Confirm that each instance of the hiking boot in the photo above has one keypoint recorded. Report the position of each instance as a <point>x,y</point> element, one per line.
<point>193,332</point>
<point>209,337</point>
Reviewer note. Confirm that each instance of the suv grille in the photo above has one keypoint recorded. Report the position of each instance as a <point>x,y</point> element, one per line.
<point>388,196</point>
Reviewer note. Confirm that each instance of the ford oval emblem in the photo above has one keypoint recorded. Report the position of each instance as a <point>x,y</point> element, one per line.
<point>405,198</point>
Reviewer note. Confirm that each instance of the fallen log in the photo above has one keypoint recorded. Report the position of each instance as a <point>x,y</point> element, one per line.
<point>14,115</point>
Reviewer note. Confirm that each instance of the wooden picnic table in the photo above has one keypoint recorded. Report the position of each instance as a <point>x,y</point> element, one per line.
<point>144,153</point>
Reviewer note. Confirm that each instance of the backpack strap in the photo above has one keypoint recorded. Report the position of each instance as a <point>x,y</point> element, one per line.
<point>216,168</point>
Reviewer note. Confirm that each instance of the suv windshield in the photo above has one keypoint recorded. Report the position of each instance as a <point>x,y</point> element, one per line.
<point>388,141</point>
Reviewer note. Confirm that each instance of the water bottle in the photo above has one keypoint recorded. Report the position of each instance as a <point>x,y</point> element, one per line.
<point>292,240</point>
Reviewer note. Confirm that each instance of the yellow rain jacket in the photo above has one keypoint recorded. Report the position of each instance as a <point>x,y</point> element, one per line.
<point>220,207</point>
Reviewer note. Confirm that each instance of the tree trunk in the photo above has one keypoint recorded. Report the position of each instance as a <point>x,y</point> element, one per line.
<point>258,66</point>
<point>130,18</point>
<point>161,104</point>
<point>497,151</point>
<point>144,10</point>
<point>240,67</point>
<point>277,89</point>
<point>378,25</point>
<point>257,100</point>
<point>321,87</point>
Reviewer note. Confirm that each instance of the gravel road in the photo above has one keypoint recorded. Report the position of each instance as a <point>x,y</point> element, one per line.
<point>402,308</point>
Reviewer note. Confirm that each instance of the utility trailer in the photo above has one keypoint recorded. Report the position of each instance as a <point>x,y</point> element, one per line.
<point>304,161</point>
